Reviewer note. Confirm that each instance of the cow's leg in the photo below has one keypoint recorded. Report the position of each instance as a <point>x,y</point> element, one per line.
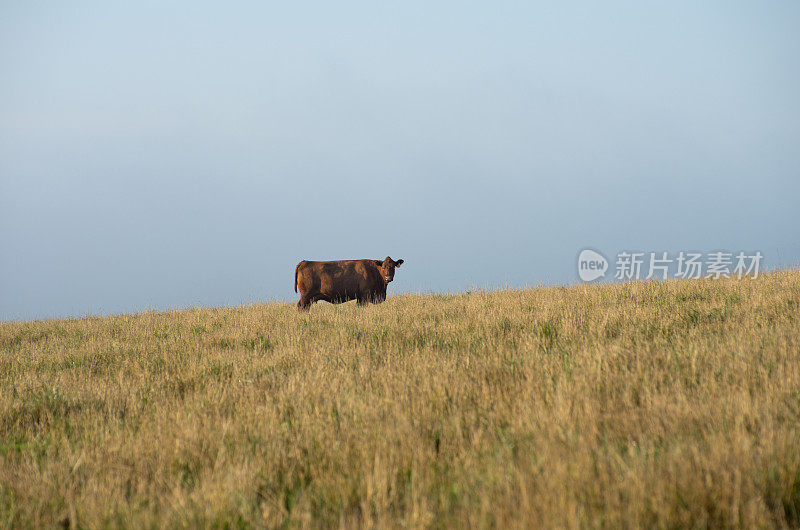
<point>378,298</point>
<point>304,303</point>
<point>362,300</point>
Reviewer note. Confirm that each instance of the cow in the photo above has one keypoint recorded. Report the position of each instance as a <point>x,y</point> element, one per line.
<point>363,280</point>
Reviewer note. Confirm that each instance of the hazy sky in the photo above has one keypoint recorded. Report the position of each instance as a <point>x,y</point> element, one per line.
<point>174,154</point>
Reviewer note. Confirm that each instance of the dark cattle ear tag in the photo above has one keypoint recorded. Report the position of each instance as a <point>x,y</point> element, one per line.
<point>398,263</point>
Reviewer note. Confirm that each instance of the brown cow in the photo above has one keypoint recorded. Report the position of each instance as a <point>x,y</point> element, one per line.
<point>364,280</point>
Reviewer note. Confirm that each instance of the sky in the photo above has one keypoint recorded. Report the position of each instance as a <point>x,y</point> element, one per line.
<point>161,155</point>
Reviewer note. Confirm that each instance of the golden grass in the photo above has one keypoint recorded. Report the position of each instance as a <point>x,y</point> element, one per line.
<point>654,404</point>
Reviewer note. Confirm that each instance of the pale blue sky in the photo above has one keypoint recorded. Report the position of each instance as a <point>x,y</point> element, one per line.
<point>163,155</point>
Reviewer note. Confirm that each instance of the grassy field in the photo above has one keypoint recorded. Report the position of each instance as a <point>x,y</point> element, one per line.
<point>673,404</point>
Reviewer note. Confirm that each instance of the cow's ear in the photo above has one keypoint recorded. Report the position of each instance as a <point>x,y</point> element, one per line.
<point>398,263</point>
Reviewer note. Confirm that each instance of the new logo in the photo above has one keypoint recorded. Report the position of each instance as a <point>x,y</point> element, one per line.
<point>591,265</point>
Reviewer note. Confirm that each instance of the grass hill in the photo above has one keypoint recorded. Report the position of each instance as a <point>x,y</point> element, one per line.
<point>669,404</point>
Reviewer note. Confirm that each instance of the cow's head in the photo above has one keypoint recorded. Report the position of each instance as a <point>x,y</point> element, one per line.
<point>386,267</point>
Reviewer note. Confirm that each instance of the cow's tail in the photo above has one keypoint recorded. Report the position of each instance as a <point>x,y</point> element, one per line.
<point>295,275</point>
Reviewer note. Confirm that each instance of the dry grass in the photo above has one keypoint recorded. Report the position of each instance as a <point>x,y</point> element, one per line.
<point>668,404</point>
